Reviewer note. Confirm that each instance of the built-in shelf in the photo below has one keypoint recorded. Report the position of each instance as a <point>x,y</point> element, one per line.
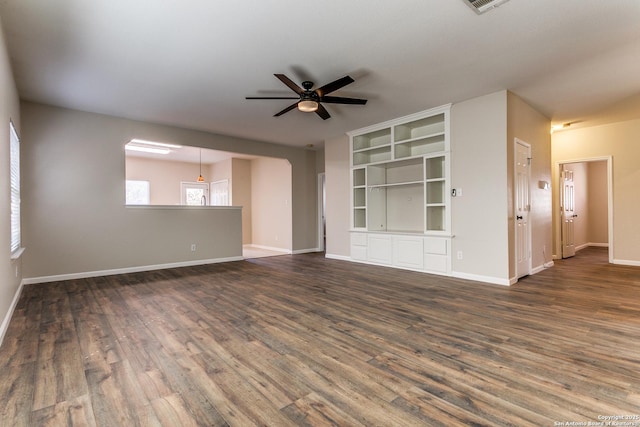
<point>397,184</point>
<point>371,139</point>
<point>400,192</point>
<point>420,128</point>
<point>379,154</point>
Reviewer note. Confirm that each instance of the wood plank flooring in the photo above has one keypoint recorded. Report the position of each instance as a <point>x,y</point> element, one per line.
<point>306,341</point>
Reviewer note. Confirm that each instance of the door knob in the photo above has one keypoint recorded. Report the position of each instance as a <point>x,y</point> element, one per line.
<point>518,217</point>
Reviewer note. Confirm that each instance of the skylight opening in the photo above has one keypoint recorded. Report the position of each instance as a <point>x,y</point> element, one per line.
<point>154,147</point>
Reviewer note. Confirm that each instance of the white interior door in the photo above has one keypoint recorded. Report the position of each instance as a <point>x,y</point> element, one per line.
<point>522,208</point>
<point>567,207</point>
<point>219,193</point>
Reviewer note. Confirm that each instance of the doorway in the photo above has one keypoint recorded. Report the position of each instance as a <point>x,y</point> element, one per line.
<point>585,206</point>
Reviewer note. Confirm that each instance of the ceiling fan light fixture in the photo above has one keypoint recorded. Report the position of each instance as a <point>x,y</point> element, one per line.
<point>308,106</point>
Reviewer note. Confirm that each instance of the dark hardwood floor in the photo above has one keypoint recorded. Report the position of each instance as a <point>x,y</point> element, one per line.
<point>306,341</point>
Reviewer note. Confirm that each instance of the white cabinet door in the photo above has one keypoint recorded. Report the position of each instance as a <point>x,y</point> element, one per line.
<point>408,252</point>
<point>379,249</point>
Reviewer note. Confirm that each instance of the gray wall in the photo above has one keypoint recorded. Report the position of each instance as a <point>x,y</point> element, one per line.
<point>482,134</point>
<point>10,271</point>
<point>75,220</point>
<point>337,188</point>
<point>479,167</point>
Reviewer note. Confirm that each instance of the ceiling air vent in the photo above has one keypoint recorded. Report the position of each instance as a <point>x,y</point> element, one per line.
<point>481,6</point>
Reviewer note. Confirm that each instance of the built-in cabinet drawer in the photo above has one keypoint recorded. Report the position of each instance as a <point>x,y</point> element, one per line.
<point>414,252</point>
<point>359,246</point>
<point>435,245</point>
<point>358,239</point>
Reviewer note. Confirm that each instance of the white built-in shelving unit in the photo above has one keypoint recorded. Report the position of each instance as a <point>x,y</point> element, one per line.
<point>400,201</point>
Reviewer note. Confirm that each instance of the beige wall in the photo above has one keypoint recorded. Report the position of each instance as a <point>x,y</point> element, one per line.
<point>218,171</point>
<point>591,196</point>
<point>75,217</point>
<point>337,188</point>
<point>581,203</point>
<point>530,126</point>
<point>164,177</point>
<point>271,203</point>
<point>597,209</point>
<point>10,271</point>
<point>620,141</point>
<point>241,194</point>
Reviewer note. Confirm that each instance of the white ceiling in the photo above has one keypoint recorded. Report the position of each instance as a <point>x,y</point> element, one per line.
<point>190,63</point>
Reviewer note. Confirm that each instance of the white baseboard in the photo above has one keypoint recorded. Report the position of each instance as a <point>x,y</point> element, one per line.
<point>338,257</point>
<point>592,245</point>
<point>581,247</point>
<point>269,248</point>
<point>542,267</point>
<point>87,274</point>
<point>306,251</point>
<point>538,269</point>
<point>626,262</point>
<point>9,315</point>
<point>481,278</point>
<point>586,245</point>
<point>598,245</point>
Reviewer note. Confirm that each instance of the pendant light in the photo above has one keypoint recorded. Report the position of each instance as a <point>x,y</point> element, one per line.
<point>200,178</point>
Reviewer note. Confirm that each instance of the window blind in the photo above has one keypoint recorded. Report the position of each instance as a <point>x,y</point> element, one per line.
<point>15,188</point>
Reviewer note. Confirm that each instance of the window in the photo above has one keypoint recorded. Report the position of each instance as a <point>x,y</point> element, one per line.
<point>193,193</point>
<point>137,192</point>
<point>14,156</point>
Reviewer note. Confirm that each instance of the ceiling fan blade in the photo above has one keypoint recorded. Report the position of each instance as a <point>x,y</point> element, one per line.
<point>271,97</point>
<point>341,100</point>
<point>289,108</point>
<point>322,112</point>
<point>334,85</point>
<point>286,80</point>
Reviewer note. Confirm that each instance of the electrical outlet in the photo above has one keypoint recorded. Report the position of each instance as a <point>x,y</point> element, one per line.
<point>193,247</point>
<point>459,254</point>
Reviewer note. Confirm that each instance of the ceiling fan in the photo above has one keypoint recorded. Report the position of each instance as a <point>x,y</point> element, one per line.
<point>309,101</point>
